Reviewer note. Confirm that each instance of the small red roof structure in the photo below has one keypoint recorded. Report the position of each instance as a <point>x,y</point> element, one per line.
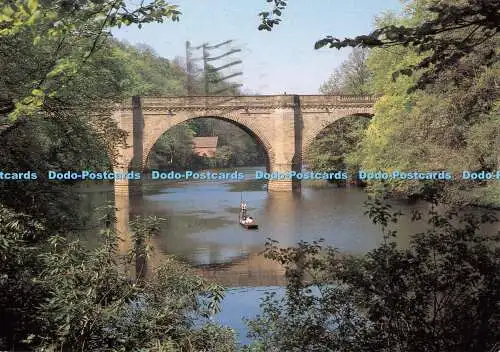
<point>205,146</point>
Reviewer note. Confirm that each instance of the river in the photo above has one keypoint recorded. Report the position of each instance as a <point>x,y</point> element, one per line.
<point>202,228</point>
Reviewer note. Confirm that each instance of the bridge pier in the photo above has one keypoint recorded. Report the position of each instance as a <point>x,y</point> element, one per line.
<point>128,187</point>
<point>282,186</point>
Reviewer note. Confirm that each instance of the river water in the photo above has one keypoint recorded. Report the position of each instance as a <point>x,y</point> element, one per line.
<point>202,228</point>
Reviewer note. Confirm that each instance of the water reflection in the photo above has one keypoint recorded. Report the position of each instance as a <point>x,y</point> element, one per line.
<point>202,226</point>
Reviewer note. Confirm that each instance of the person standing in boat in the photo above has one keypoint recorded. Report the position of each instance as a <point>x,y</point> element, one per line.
<point>243,210</point>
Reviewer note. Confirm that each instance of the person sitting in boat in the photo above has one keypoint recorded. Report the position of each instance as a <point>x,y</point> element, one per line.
<point>248,220</point>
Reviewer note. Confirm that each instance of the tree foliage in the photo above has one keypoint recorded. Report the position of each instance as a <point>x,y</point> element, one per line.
<point>330,150</point>
<point>60,73</point>
<point>147,73</point>
<point>352,77</point>
<point>451,125</point>
<point>270,19</point>
<point>19,236</point>
<point>68,33</point>
<point>441,294</point>
<point>173,150</point>
<point>451,33</point>
<point>75,298</point>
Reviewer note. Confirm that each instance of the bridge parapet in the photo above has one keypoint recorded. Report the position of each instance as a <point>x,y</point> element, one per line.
<point>249,102</point>
<point>336,100</point>
<point>216,102</point>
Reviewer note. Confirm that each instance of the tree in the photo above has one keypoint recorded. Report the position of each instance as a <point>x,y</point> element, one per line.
<point>173,150</point>
<point>19,264</point>
<point>441,294</point>
<point>432,129</point>
<point>81,298</point>
<point>447,37</point>
<point>223,157</point>
<point>66,34</point>
<point>62,51</point>
<point>329,151</point>
<point>59,76</point>
<point>352,77</point>
<point>145,72</point>
<point>437,127</point>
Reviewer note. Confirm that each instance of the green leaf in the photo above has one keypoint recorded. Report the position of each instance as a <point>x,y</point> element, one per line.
<point>32,5</point>
<point>37,92</point>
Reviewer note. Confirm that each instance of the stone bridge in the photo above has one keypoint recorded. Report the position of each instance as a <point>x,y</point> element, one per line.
<point>284,124</point>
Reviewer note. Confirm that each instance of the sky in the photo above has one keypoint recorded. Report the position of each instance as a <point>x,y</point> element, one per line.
<point>283,60</point>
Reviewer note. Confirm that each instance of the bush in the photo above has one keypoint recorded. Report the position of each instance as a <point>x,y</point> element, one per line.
<point>86,300</point>
<point>440,294</point>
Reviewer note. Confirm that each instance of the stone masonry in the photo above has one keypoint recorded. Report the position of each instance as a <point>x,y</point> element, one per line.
<point>284,124</point>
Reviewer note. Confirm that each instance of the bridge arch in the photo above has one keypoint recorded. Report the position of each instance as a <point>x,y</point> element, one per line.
<point>314,132</point>
<point>152,135</point>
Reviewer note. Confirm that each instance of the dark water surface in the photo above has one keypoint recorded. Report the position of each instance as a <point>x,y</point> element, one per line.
<point>202,228</point>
